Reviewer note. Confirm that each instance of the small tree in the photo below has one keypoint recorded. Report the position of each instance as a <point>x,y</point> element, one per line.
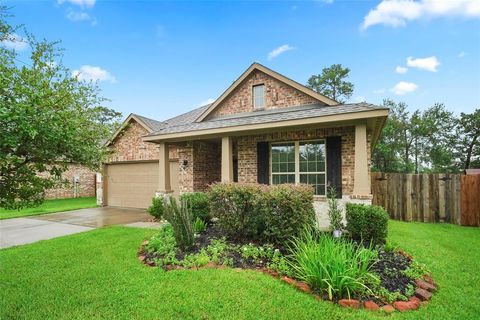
<point>334,212</point>
<point>332,83</point>
<point>48,119</point>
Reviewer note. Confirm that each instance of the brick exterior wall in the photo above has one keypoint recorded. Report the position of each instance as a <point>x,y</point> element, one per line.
<point>277,95</point>
<point>247,151</point>
<point>203,168</point>
<point>85,188</point>
<point>128,146</point>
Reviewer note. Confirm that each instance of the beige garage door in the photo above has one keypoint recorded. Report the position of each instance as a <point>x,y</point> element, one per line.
<point>133,185</point>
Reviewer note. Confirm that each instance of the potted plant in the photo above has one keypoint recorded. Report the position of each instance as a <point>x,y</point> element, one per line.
<point>334,213</point>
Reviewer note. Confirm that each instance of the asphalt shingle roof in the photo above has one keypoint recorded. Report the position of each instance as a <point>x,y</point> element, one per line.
<point>154,125</point>
<point>186,122</point>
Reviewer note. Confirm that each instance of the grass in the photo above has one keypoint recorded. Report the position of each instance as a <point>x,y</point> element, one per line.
<point>50,206</point>
<point>96,274</point>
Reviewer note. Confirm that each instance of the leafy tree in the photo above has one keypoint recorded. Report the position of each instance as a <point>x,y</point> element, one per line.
<point>48,119</point>
<point>332,83</point>
<point>468,140</point>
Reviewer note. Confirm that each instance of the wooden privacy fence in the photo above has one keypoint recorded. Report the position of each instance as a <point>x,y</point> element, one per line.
<point>452,198</point>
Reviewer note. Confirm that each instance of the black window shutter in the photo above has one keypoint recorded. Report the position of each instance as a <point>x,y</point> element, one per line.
<point>334,164</point>
<point>263,163</point>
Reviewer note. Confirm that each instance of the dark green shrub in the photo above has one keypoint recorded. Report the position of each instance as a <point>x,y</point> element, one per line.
<point>200,205</point>
<point>157,208</point>
<point>286,209</point>
<point>235,207</point>
<point>367,223</point>
<point>180,217</point>
<point>273,213</point>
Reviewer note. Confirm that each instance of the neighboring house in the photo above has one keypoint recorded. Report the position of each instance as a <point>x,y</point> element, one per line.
<point>77,181</point>
<point>265,128</point>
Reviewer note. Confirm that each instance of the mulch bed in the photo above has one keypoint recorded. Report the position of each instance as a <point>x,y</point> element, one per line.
<point>389,268</point>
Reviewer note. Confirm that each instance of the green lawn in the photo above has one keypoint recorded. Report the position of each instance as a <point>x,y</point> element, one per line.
<point>96,274</point>
<point>49,206</point>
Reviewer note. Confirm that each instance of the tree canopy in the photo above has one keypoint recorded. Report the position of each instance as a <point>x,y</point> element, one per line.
<point>48,119</point>
<point>430,141</point>
<point>332,83</point>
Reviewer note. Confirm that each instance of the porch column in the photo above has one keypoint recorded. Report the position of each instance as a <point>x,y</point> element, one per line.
<point>164,169</point>
<point>227,160</point>
<point>361,187</point>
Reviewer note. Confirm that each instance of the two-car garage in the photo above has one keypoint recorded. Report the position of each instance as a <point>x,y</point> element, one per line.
<point>133,185</point>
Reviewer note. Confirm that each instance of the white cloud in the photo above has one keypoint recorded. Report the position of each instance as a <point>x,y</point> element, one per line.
<point>92,73</point>
<point>80,3</point>
<point>205,102</point>
<point>76,16</point>
<point>379,91</point>
<point>429,63</point>
<point>278,51</point>
<point>14,42</point>
<point>396,13</point>
<point>462,54</point>
<point>403,87</point>
<point>401,70</point>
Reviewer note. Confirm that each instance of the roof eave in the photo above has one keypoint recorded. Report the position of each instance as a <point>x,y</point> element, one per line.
<point>336,119</point>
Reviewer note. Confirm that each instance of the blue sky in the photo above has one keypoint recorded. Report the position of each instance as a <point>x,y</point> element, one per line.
<point>159,59</point>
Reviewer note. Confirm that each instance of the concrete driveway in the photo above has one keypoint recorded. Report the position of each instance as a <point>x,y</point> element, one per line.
<point>20,231</point>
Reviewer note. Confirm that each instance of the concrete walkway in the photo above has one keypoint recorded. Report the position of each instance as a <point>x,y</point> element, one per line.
<point>25,230</point>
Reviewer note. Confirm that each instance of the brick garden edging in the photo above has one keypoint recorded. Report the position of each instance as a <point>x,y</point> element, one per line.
<point>423,293</point>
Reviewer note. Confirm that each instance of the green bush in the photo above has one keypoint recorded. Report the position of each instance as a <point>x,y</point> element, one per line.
<point>199,226</point>
<point>157,208</point>
<point>180,217</point>
<point>367,223</point>
<point>235,207</point>
<point>286,209</point>
<point>272,213</point>
<point>199,203</point>
<point>333,266</point>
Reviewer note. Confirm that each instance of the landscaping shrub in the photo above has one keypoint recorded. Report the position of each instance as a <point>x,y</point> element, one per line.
<point>157,208</point>
<point>180,217</point>
<point>199,226</point>
<point>367,223</point>
<point>334,266</point>
<point>272,213</point>
<point>286,209</point>
<point>334,212</point>
<point>199,203</point>
<point>235,207</point>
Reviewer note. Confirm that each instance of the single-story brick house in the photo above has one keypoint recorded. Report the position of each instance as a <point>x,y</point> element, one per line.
<point>265,128</point>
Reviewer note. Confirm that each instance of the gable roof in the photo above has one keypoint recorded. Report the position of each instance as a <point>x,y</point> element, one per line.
<point>257,66</point>
<point>148,124</point>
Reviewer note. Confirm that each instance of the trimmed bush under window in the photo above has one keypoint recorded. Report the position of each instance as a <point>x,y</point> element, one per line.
<point>273,213</point>
<point>367,223</point>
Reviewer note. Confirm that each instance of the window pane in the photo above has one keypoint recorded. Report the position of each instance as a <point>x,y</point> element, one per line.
<point>312,156</point>
<point>275,179</point>
<point>315,180</point>
<point>258,96</point>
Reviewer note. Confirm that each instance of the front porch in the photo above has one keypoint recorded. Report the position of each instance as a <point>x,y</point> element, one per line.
<point>323,156</point>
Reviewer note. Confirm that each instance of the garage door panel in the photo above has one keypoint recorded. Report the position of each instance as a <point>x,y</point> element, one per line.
<point>133,185</point>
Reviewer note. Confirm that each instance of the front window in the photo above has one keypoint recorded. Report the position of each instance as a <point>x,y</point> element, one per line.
<point>259,97</point>
<point>283,163</point>
<point>300,162</point>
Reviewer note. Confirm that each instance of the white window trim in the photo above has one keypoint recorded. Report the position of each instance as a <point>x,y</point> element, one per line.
<point>297,162</point>
<point>264,97</point>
